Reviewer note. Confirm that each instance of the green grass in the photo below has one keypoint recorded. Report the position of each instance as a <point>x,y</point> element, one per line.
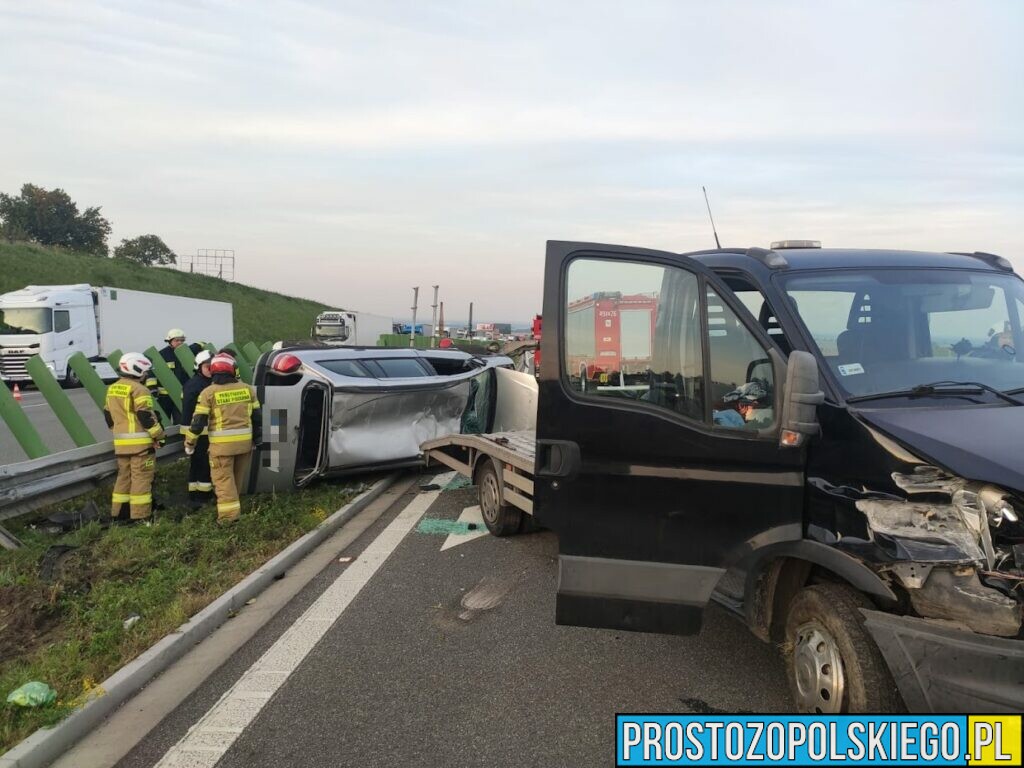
<point>259,315</point>
<point>69,633</point>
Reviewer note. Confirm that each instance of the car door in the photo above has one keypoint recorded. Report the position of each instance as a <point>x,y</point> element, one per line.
<point>658,456</point>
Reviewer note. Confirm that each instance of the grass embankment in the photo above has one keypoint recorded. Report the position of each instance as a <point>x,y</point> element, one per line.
<point>69,631</point>
<point>259,315</point>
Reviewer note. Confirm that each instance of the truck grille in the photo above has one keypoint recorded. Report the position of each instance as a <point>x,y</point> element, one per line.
<point>13,366</point>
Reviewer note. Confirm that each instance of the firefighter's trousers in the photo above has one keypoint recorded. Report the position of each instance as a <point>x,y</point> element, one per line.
<point>134,485</point>
<point>229,474</point>
<point>200,484</point>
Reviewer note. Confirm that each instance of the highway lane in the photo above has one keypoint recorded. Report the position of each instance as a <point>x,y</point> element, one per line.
<point>50,429</point>
<point>418,646</point>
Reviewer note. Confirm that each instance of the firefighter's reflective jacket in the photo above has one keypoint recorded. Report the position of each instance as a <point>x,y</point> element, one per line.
<point>226,410</point>
<point>129,413</point>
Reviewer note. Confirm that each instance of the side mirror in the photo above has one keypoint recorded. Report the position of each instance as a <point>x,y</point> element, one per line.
<point>800,400</point>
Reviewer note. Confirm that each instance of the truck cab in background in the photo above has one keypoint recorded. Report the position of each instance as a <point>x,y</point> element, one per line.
<point>347,328</point>
<point>825,442</point>
<point>53,322</point>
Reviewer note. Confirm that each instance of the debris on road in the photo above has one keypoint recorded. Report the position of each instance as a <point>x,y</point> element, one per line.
<point>131,621</point>
<point>34,694</point>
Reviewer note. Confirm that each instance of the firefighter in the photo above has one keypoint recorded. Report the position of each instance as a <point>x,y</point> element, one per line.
<point>137,434</point>
<point>227,409</point>
<point>200,486</point>
<point>175,338</point>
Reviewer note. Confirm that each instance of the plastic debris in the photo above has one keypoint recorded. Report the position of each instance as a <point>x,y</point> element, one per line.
<point>131,621</point>
<point>34,694</point>
<point>344,559</point>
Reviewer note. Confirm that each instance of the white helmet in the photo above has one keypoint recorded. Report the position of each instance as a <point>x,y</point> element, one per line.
<point>175,333</point>
<point>134,364</point>
<point>204,356</point>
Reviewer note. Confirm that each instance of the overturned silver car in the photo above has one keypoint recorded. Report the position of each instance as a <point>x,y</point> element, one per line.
<point>333,411</point>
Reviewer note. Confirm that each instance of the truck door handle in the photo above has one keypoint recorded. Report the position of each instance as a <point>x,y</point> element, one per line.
<point>558,458</point>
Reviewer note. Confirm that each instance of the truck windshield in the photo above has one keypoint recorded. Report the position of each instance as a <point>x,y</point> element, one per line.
<point>891,330</point>
<point>31,320</point>
<point>339,331</point>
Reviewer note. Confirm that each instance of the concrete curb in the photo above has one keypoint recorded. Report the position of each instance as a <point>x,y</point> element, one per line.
<point>47,744</point>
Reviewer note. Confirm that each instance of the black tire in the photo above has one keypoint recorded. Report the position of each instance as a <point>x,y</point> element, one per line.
<point>71,380</point>
<point>501,519</point>
<point>825,624</point>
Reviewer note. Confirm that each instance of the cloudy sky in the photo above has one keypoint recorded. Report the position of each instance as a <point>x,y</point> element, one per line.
<point>350,150</point>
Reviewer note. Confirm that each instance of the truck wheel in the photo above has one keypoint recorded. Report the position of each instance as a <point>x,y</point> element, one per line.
<point>500,518</point>
<point>71,380</point>
<point>832,663</point>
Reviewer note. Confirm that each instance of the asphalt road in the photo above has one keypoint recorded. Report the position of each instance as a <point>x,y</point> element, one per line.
<point>447,658</point>
<point>49,427</point>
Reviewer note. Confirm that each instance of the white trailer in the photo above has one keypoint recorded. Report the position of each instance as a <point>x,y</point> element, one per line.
<point>348,328</point>
<point>56,321</point>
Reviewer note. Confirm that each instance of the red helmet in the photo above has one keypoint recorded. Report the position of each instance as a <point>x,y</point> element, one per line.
<point>222,364</point>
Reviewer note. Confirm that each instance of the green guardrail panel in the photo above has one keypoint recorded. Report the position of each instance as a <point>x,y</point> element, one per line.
<point>244,368</point>
<point>59,402</point>
<point>186,359</point>
<point>86,374</point>
<point>164,375</point>
<point>252,352</point>
<point>26,435</point>
<point>266,346</point>
<point>114,358</point>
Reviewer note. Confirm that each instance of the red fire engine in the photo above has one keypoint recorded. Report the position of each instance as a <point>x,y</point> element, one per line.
<point>610,332</point>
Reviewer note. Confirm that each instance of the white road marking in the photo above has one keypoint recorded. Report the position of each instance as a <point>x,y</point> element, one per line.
<point>469,515</point>
<point>210,738</point>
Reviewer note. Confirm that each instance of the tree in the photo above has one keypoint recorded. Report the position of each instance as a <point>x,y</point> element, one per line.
<point>51,217</point>
<point>145,249</point>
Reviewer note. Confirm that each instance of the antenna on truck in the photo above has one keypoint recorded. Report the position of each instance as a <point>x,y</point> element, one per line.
<point>704,189</point>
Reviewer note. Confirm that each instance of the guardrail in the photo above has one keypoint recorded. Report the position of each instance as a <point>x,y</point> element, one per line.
<point>48,477</point>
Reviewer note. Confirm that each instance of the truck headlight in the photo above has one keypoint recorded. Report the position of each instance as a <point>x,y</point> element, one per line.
<point>997,507</point>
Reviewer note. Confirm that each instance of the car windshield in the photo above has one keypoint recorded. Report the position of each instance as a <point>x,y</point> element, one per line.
<point>890,330</point>
<point>26,321</point>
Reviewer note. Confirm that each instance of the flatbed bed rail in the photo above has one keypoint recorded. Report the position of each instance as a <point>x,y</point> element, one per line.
<point>512,452</point>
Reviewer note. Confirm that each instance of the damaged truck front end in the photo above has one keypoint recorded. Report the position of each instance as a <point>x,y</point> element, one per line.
<point>945,539</point>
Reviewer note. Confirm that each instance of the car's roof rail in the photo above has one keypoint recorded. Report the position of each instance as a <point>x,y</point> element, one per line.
<point>993,260</point>
<point>771,259</point>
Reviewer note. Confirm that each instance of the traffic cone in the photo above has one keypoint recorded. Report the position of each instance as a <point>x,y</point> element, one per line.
<point>17,392</point>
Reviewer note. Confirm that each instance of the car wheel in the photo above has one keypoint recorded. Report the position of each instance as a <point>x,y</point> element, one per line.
<point>832,663</point>
<point>501,519</point>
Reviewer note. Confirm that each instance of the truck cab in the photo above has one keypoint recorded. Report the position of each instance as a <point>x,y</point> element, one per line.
<point>826,442</point>
<point>53,322</point>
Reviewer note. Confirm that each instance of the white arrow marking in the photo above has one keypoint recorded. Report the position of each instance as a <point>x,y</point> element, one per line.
<point>469,515</point>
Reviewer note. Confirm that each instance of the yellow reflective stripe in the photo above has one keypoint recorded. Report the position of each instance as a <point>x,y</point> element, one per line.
<point>145,401</point>
<point>142,498</point>
<point>134,441</point>
<point>228,506</point>
<point>202,410</point>
<point>171,364</point>
<point>128,435</point>
<point>120,498</point>
<point>230,438</point>
<point>200,487</point>
<point>155,430</point>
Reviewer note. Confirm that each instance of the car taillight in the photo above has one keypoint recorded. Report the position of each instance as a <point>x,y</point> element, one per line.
<point>286,364</point>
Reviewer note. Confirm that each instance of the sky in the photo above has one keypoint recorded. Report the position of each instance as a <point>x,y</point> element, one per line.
<point>348,151</point>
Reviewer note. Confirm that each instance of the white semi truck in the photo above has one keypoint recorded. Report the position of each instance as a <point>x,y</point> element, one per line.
<point>56,321</point>
<point>347,328</point>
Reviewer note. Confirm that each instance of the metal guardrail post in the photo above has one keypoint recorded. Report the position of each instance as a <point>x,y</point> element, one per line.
<point>163,374</point>
<point>59,402</point>
<point>186,359</point>
<point>86,374</point>
<point>26,435</point>
<point>252,352</point>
